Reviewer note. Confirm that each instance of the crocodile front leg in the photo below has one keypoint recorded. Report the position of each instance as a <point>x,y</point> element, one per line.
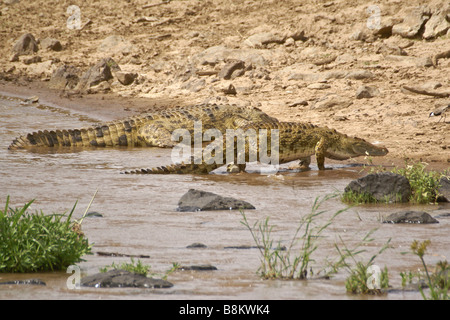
<point>320,153</point>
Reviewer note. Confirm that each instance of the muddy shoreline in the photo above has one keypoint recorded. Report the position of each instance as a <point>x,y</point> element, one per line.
<point>331,63</point>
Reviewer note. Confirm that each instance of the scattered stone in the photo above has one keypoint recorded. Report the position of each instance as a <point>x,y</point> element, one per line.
<point>100,72</point>
<point>230,67</point>
<point>35,282</point>
<point>14,57</point>
<point>410,217</point>
<point>331,101</point>
<point>197,200</point>
<point>264,38</point>
<point>438,24</point>
<point>123,279</point>
<point>202,267</point>
<point>65,77</point>
<point>386,25</point>
<point>25,45</point>
<point>229,89</point>
<point>359,75</point>
<point>94,214</point>
<point>194,85</point>
<point>383,186</point>
<point>51,44</point>
<point>125,78</point>
<point>318,86</point>
<point>117,254</point>
<point>413,21</point>
<point>366,92</point>
<point>33,59</point>
<point>33,99</point>
<point>298,103</point>
<point>444,190</point>
<point>197,245</point>
<point>116,44</point>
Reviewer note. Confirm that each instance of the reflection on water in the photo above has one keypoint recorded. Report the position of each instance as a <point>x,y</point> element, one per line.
<point>139,218</point>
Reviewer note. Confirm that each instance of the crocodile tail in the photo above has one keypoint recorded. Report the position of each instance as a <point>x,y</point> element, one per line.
<point>178,168</point>
<point>118,133</point>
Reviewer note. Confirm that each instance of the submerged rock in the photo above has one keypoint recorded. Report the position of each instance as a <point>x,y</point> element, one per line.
<point>383,186</point>
<point>35,282</point>
<point>410,217</point>
<point>123,279</point>
<point>444,190</point>
<point>197,200</point>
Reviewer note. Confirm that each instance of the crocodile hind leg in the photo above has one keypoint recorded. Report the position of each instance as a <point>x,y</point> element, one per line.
<point>302,165</point>
<point>236,168</point>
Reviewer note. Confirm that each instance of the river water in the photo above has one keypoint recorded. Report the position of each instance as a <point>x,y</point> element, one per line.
<point>139,217</point>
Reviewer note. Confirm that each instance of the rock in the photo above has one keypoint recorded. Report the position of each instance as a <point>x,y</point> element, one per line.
<point>65,77</point>
<point>33,59</point>
<point>25,45</point>
<point>35,282</point>
<point>116,44</point>
<point>438,24</point>
<point>202,267</point>
<point>194,85</point>
<point>33,99</point>
<point>123,279</point>
<point>410,217</point>
<point>359,75</point>
<point>230,67</point>
<point>14,57</point>
<point>197,200</point>
<point>366,92</point>
<point>125,78</point>
<point>51,44</point>
<point>264,38</point>
<point>413,22</point>
<point>331,101</point>
<point>318,86</point>
<point>298,103</point>
<point>197,245</point>
<point>385,28</point>
<point>100,72</point>
<point>214,55</point>
<point>229,89</point>
<point>383,186</point>
<point>444,190</point>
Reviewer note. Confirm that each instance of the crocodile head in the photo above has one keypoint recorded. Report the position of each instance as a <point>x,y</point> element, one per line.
<point>350,147</point>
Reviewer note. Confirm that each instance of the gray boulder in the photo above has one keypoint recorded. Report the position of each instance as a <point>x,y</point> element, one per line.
<point>65,77</point>
<point>102,71</point>
<point>383,186</point>
<point>51,44</point>
<point>25,45</point>
<point>410,217</point>
<point>197,200</point>
<point>123,279</point>
<point>444,190</point>
<point>413,22</point>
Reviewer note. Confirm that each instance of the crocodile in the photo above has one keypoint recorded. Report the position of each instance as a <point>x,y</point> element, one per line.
<point>296,141</point>
<point>151,129</point>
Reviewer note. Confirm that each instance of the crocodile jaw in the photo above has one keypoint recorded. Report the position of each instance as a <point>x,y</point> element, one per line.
<point>356,148</point>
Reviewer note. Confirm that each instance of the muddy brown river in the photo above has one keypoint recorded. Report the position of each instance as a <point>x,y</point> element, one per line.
<point>139,217</point>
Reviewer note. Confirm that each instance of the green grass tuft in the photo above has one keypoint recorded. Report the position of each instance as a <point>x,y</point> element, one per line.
<point>39,242</point>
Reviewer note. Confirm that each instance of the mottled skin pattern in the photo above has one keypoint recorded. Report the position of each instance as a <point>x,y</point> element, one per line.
<point>297,141</point>
<point>153,129</point>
